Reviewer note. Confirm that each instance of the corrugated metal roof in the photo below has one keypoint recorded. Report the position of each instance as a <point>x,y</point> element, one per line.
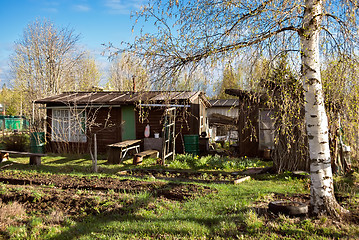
<point>114,98</point>
<point>224,102</point>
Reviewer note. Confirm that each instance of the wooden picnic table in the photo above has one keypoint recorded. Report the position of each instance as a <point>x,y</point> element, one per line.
<point>118,151</point>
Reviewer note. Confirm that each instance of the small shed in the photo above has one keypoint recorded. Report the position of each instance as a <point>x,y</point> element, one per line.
<point>255,123</point>
<point>222,118</point>
<point>11,123</point>
<point>116,116</point>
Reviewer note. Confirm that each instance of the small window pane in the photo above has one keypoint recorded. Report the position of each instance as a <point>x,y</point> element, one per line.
<point>68,126</point>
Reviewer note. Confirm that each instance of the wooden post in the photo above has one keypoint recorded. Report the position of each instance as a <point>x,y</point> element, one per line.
<point>114,155</point>
<point>33,112</point>
<point>3,121</point>
<point>174,135</point>
<point>95,154</point>
<point>3,126</point>
<point>35,160</point>
<point>134,83</point>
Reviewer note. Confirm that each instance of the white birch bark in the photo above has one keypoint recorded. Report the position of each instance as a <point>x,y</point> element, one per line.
<point>322,192</point>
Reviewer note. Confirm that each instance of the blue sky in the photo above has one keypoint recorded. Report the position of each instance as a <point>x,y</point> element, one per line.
<point>97,21</point>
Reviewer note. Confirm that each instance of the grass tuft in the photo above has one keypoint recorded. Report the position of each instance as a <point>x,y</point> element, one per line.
<point>11,214</point>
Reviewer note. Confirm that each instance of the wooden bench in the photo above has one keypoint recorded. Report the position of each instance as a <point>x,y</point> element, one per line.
<point>118,151</point>
<point>137,159</point>
<point>35,158</point>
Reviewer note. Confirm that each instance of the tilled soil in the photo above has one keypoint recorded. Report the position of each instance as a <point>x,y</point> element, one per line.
<point>78,196</point>
<point>185,175</point>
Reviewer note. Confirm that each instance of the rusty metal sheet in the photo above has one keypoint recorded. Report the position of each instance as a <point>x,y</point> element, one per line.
<point>118,97</point>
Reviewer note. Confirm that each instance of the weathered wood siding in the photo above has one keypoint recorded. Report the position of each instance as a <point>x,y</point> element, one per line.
<point>248,143</point>
<point>107,126</point>
<point>151,116</point>
<point>187,122</point>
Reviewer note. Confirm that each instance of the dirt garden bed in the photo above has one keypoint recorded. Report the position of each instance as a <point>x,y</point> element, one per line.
<point>80,196</point>
<point>193,176</point>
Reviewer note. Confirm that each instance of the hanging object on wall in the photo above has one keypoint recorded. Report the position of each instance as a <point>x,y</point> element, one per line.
<point>147,131</point>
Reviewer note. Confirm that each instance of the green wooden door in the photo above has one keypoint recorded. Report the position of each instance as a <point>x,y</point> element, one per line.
<point>128,123</point>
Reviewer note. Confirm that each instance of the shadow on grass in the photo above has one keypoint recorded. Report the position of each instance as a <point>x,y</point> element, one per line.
<point>141,232</point>
<point>129,224</point>
<point>139,218</point>
<point>73,164</point>
<point>68,160</point>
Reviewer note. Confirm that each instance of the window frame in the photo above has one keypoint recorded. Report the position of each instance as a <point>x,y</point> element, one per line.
<point>68,125</point>
<point>266,128</point>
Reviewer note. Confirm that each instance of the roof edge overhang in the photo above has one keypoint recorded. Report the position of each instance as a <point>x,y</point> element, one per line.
<point>121,98</point>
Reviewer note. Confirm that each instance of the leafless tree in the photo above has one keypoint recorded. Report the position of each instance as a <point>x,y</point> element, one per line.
<point>128,74</point>
<point>47,60</point>
<point>84,76</point>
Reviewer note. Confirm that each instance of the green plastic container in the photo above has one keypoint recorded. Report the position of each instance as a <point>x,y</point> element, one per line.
<point>37,149</point>
<point>191,144</point>
<point>37,142</point>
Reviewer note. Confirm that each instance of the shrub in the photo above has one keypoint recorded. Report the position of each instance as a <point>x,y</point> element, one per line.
<point>214,162</point>
<point>188,160</point>
<point>179,164</point>
<point>17,142</point>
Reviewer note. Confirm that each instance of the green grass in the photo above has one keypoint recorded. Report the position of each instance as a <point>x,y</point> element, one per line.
<point>69,164</point>
<point>217,215</point>
<point>233,212</point>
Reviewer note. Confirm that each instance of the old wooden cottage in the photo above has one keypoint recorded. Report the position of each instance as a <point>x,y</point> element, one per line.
<point>73,117</point>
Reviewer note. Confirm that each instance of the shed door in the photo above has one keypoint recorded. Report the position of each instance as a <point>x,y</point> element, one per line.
<point>128,123</point>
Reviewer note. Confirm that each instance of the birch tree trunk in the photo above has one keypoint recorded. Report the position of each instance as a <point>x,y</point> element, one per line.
<point>322,192</point>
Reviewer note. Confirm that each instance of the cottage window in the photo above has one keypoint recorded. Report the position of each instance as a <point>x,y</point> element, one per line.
<point>266,129</point>
<point>68,125</point>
